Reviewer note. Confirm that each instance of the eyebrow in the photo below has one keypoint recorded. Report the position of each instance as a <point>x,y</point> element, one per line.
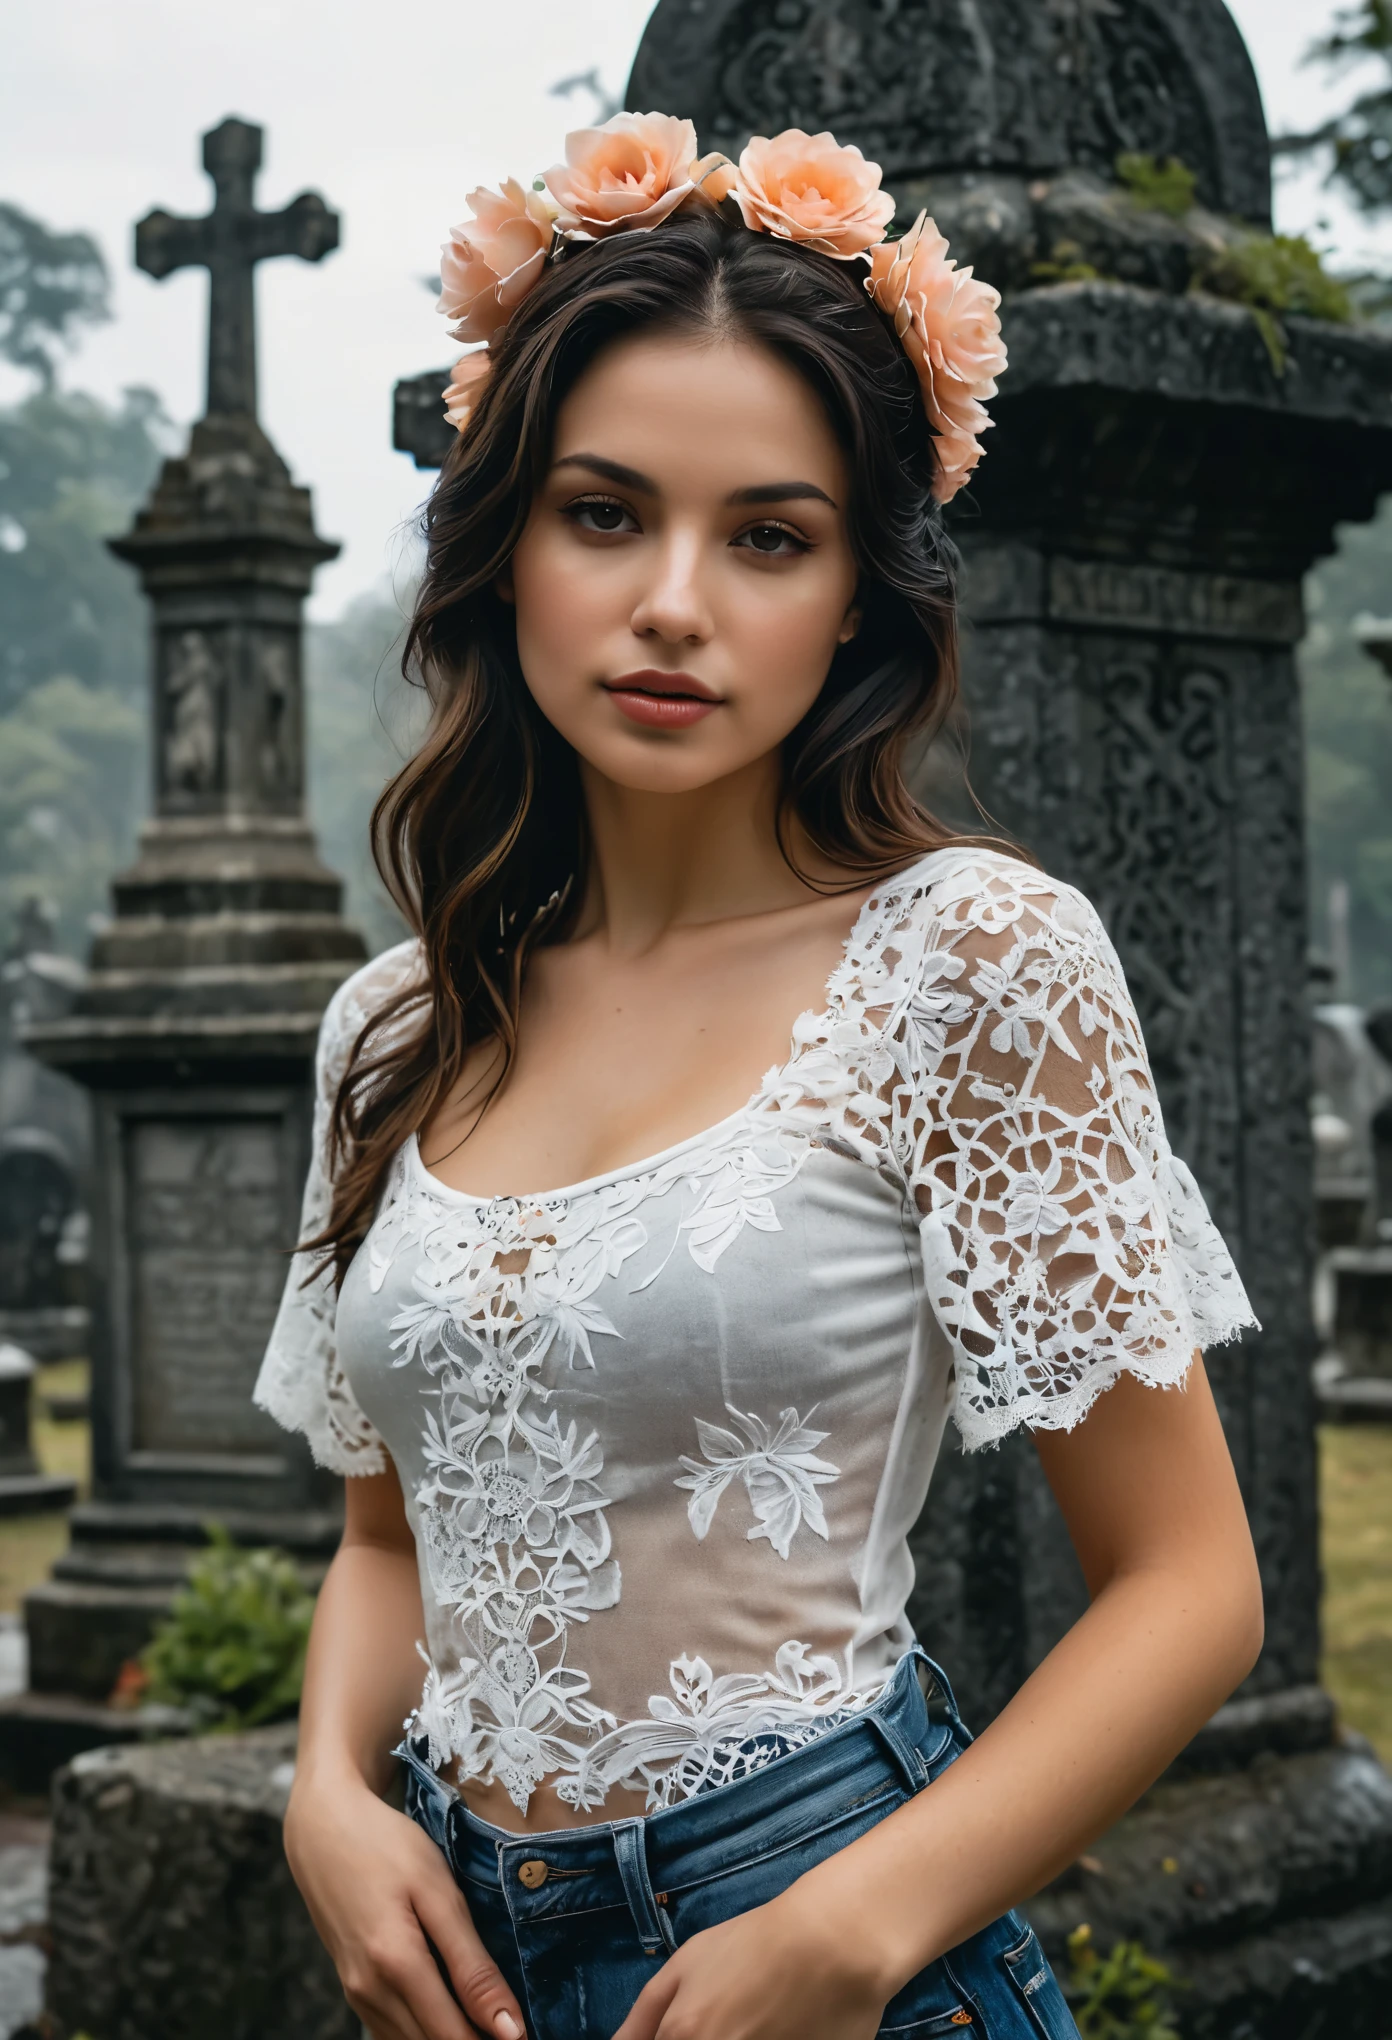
<point>643,485</point>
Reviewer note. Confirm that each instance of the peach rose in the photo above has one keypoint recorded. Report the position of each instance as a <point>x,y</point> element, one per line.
<point>470,374</point>
<point>632,172</point>
<point>491,261</point>
<point>949,324</point>
<point>809,188</point>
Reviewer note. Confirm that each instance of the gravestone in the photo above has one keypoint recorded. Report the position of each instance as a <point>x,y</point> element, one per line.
<point>1134,545</point>
<point>45,1132</point>
<point>194,1031</point>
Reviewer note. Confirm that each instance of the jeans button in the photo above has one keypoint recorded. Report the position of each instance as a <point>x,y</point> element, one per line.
<point>533,1873</point>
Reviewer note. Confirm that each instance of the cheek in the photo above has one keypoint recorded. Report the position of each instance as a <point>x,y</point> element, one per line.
<point>566,604</point>
<point>783,634</point>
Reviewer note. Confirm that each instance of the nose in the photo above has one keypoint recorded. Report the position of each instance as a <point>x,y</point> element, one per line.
<point>675,606</point>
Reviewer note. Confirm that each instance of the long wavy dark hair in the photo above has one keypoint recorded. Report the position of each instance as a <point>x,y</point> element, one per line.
<point>481,838</point>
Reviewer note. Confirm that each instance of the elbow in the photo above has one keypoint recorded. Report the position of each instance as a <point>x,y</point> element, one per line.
<point>1250,1632</point>
<point>1243,1622</point>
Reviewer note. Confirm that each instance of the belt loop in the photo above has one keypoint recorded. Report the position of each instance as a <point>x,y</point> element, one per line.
<point>907,1759</point>
<point>655,1933</point>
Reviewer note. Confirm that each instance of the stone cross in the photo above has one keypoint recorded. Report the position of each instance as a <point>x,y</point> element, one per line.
<point>228,242</point>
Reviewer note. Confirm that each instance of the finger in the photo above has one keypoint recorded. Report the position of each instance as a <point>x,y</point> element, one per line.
<point>479,1984</point>
<point>653,2003</point>
<point>404,1994</point>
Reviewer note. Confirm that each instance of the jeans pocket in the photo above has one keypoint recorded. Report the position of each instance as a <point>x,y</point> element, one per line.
<point>929,2005</point>
<point>1038,1989</point>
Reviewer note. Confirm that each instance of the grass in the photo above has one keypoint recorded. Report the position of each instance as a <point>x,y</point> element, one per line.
<point>1356,1496</point>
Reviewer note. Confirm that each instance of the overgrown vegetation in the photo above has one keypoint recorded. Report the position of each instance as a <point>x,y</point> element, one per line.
<point>1127,1995</point>
<point>1273,274</point>
<point>231,1652</point>
<point>1169,187</point>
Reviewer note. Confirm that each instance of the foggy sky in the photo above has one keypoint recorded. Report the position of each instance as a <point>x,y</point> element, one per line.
<point>394,112</point>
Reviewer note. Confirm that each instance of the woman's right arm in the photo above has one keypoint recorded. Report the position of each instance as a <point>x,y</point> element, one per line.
<point>379,1890</point>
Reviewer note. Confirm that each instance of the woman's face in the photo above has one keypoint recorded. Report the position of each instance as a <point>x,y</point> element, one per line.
<point>685,575</point>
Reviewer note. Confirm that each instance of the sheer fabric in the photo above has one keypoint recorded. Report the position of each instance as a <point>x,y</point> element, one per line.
<point>663,1434</point>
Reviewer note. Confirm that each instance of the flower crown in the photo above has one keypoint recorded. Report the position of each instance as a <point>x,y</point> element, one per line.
<point>634,172</point>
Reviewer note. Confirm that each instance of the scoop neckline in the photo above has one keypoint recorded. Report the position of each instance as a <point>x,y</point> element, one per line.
<point>873,902</point>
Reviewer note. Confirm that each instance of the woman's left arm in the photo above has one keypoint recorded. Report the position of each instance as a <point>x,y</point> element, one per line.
<point>1148,1491</point>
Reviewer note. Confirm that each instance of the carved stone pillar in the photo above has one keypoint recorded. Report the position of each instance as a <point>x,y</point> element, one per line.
<point>195,1035</point>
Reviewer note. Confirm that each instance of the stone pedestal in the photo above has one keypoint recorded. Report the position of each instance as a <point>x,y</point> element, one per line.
<point>171,1908</point>
<point>194,1032</point>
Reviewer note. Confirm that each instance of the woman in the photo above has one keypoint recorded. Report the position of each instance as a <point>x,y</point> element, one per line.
<point>639,1364</point>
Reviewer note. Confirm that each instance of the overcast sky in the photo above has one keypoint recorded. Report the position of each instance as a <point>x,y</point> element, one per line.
<point>393,112</point>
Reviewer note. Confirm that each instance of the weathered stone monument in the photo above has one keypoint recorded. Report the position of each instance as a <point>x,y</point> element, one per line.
<point>1166,468</point>
<point>194,1032</point>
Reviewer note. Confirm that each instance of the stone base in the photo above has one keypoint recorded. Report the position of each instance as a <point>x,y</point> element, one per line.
<point>25,1494</point>
<point>81,1635</point>
<point>172,1909</point>
<point>40,1732</point>
<point>1268,1890</point>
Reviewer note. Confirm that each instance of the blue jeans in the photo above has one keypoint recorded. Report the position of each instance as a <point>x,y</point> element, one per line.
<point>579,1919</point>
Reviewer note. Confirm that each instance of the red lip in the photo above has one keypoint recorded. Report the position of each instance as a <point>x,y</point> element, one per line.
<point>662,701</point>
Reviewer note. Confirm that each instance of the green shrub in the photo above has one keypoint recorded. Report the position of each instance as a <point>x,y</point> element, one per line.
<point>1168,187</point>
<point>232,1649</point>
<point>1126,1995</point>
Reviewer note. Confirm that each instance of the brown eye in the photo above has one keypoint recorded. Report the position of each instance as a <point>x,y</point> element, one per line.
<point>600,513</point>
<point>774,541</point>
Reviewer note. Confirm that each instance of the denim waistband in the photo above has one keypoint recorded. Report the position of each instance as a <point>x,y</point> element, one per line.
<point>894,1746</point>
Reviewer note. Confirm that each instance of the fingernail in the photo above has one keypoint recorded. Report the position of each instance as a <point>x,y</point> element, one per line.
<point>507,2027</point>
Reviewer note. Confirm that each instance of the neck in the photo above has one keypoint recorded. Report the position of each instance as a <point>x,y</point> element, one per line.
<point>663,860</point>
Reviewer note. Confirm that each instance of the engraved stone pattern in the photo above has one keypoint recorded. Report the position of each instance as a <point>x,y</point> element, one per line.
<point>205,1224</point>
<point>1162,774</point>
<point>933,86</point>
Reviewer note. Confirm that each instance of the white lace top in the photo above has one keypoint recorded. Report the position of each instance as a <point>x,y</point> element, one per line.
<point>663,1434</point>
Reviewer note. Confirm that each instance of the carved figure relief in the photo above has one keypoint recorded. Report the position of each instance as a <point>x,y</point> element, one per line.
<point>279,773</point>
<point>192,715</point>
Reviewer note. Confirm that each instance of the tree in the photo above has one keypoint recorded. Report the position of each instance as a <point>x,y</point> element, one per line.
<point>48,284</point>
<point>72,471</point>
<point>363,724</point>
<point>1359,139</point>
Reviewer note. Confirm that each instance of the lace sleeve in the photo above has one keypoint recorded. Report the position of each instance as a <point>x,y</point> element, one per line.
<point>1063,1242</point>
<point>301,1383</point>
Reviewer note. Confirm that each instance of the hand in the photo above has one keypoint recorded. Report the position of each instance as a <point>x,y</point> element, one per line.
<point>780,1972</point>
<point>376,1887</point>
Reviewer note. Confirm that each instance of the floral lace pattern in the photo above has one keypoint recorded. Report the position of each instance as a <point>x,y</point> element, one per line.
<point>980,1054</point>
<point>780,1471</point>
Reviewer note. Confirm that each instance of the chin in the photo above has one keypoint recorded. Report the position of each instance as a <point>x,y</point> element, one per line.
<point>665,766</point>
